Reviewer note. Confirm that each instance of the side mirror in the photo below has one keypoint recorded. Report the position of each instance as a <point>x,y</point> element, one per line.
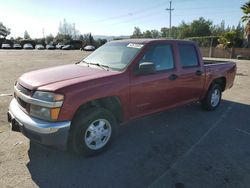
<point>146,68</point>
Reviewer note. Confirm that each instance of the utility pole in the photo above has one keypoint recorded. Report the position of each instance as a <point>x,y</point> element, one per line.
<point>74,31</point>
<point>170,16</point>
<point>43,33</point>
<point>211,47</point>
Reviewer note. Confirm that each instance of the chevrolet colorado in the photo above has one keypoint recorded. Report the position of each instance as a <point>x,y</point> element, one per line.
<point>79,106</point>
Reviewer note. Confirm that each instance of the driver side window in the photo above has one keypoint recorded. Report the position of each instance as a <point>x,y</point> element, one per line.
<point>161,55</point>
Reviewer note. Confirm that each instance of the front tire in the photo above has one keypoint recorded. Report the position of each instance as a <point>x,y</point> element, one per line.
<point>92,132</point>
<point>213,98</point>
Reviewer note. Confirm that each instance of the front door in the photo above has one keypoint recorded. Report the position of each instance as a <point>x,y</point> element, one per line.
<point>152,92</point>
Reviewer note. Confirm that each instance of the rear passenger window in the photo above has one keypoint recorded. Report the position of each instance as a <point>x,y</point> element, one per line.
<point>161,56</point>
<point>188,55</point>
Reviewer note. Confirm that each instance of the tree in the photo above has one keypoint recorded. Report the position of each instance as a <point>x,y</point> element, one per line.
<point>40,41</point>
<point>200,30</point>
<point>228,39</point>
<point>206,41</point>
<point>164,32</point>
<point>175,32</point>
<point>151,34</point>
<point>185,31</point>
<point>4,31</point>
<point>197,28</point>
<point>66,28</point>
<point>81,37</point>
<point>99,42</point>
<point>246,10</point>
<point>63,38</point>
<point>201,27</point>
<point>233,36</point>
<point>240,30</point>
<point>147,34</point>
<point>49,39</point>
<point>88,39</point>
<point>218,29</point>
<point>246,19</point>
<point>91,39</point>
<point>155,34</point>
<point>137,33</point>
<point>247,31</point>
<point>67,32</point>
<point>26,35</point>
<point>19,39</point>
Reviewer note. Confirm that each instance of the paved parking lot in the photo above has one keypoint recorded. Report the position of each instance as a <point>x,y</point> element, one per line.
<point>182,147</point>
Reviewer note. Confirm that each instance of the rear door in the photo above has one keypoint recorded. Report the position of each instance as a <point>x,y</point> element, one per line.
<point>192,75</point>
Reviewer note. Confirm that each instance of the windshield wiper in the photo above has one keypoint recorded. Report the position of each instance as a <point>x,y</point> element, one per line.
<point>84,62</point>
<point>104,67</point>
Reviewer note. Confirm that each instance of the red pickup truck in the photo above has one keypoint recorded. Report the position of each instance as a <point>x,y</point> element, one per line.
<point>79,106</point>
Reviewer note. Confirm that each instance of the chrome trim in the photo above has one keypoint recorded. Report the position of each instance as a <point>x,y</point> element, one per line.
<point>33,124</point>
<point>34,101</point>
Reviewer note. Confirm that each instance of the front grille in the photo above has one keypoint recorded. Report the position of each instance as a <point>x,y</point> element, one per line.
<point>25,106</point>
<point>23,89</point>
<point>21,102</point>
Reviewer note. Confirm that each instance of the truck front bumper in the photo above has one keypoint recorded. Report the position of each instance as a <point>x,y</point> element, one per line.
<point>44,132</point>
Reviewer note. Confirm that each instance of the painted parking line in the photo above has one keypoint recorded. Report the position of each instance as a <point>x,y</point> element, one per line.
<point>6,95</point>
<point>243,131</point>
<point>192,148</point>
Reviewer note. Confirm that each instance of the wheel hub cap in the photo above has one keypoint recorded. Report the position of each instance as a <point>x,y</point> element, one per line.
<point>215,99</point>
<point>97,134</point>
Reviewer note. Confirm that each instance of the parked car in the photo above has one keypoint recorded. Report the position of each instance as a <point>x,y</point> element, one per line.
<point>28,46</point>
<point>67,47</point>
<point>39,47</point>
<point>17,46</point>
<point>59,46</point>
<point>50,47</point>
<point>6,46</point>
<point>81,105</point>
<point>89,48</point>
<point>243,57</point>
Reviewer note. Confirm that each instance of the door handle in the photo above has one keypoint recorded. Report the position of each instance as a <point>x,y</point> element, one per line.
<point>173,77</point>
<point>198,72</point>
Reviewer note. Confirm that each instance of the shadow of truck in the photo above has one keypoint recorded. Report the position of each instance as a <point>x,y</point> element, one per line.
<point>144,149</point>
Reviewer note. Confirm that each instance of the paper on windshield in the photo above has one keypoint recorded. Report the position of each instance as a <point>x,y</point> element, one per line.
<point>133,45</point>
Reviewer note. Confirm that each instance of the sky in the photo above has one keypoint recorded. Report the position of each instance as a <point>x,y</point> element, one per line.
<point>111,17</point>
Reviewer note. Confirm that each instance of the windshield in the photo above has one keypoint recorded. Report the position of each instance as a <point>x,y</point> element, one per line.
<point>117,55</point>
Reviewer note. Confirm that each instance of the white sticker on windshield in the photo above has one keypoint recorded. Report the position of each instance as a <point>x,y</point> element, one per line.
<point>133,45</point>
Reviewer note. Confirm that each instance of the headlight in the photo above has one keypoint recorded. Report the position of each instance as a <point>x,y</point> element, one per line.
<point>40,112</point>
<point>48,96</point>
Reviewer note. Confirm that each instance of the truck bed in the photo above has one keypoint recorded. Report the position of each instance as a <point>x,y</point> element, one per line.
<point>218,69</point>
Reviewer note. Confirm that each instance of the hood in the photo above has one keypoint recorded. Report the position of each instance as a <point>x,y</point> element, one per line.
<point>33,80</point>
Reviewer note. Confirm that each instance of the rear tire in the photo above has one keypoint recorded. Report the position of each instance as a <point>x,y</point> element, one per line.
<point>93,131</point>
<point>213,98</point>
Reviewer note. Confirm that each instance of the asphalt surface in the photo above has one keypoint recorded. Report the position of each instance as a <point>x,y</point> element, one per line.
<point>184,146</point>
<point>181,147</point>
